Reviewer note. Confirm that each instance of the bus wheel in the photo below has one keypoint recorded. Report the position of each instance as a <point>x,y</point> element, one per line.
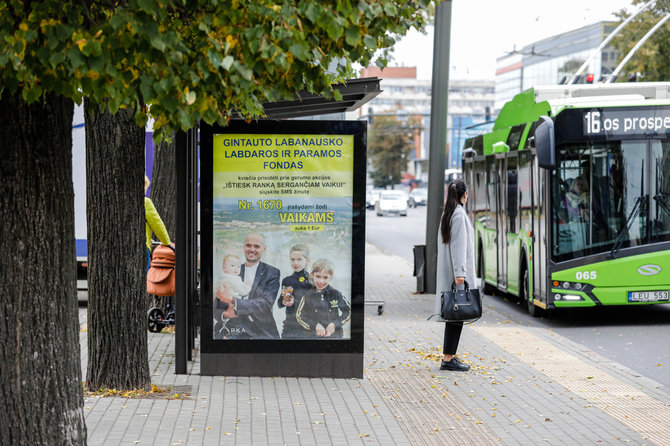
<point>532,308</point>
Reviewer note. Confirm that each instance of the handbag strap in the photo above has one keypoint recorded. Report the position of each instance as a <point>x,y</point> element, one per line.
<point>451,260</point>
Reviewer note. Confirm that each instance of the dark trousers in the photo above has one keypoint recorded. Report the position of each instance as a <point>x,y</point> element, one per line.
<point>452,334</point>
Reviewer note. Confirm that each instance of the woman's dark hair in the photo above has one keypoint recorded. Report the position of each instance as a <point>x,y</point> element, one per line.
<point>455,193</point>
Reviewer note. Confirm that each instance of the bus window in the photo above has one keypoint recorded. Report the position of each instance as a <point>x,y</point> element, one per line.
<point>531,135</point>
<point>480,206</point>
<point>660,191</point>
<point>594,194</point>
<point>491,191</point>
<point>515,136</point>
<point>525,223</point>
<point>512,192</point>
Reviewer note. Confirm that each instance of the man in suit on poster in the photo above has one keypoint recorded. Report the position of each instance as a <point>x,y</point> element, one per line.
<point>251,318</point>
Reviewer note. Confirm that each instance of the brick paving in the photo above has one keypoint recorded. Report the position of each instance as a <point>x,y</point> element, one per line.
<point>526,386</point>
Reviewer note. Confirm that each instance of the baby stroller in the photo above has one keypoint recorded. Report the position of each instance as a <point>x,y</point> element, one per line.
<point>157,319</point>
<point>161,282</point>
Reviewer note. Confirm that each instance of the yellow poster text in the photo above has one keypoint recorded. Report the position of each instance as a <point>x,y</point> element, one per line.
<point>282,153</point>
<point>307,217</point>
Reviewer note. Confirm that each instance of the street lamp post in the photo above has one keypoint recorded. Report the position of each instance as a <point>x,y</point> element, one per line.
<point>438,138</point>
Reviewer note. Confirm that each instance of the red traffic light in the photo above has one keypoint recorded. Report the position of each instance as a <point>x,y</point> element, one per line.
<point>589,78</point>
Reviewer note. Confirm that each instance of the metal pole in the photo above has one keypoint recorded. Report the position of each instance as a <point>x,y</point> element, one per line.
<point>438,137</point>
<point>606,41</point>
<point>181,270</point>
<point>632,52</point>
<point>192,234</point>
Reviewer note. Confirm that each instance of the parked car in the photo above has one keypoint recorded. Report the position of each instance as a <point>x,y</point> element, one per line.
<point>371,198</point>
<point>451,175</point>
<point>391,202</point>
<point>418,197</point>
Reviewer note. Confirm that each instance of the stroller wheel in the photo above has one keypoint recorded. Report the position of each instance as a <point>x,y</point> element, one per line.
<point>155,318</point>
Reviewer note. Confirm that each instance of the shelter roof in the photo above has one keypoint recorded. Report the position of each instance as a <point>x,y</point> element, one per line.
<point>355,93</point>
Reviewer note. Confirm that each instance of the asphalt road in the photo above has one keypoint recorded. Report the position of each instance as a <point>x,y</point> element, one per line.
<point>396,235</point>
<point>636,337</point>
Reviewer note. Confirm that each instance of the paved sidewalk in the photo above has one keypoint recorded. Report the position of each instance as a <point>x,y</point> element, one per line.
<point>527,386</point>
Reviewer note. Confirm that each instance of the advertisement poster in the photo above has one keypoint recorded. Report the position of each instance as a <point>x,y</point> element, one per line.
<point>282,236</point>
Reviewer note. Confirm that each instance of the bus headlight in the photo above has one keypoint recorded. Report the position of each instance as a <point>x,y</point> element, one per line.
<point>572,297</point>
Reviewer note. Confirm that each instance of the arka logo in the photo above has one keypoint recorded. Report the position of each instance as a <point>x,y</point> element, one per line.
<point>649,270</point>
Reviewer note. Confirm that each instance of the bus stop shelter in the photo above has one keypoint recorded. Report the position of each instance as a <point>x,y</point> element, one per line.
<point>355,93</point>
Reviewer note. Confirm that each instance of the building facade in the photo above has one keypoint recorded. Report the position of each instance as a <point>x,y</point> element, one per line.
<point>403,95</point>
<point>548,61</point>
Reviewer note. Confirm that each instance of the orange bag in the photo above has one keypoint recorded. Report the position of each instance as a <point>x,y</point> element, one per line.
<point>161,275</point>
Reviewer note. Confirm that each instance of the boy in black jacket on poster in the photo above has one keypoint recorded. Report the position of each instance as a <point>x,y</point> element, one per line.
<point>293,288</point>
<point>323,310</point>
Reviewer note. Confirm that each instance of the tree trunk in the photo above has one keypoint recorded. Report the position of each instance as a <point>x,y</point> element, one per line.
<point>40,370</point>
<point>164,185</point>
<point>117,319</point>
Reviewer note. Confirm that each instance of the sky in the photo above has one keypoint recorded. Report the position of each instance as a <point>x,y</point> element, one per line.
<point>482,30</point>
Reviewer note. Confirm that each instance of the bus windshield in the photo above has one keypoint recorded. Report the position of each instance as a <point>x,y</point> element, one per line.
<point>600,187</point>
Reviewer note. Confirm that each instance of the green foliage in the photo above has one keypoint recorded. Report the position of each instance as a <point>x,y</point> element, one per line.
<point>193,59</point>
<point>652,59</point>
<point>571,66</point>
<point>389,145</point>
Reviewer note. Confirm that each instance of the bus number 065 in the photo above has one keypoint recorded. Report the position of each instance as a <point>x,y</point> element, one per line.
<point>586,275</point>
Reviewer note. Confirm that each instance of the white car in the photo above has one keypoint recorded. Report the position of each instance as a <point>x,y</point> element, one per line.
<point>451,175</point>
<point>371,198</point>
<point>418,197</point>
<point>391,202</point>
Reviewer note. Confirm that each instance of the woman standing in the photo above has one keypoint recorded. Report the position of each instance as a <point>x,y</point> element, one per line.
<point>455,263</point>
<point>154,224</point>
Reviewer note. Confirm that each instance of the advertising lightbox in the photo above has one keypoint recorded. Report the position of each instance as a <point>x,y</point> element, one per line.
<point>282,248</point>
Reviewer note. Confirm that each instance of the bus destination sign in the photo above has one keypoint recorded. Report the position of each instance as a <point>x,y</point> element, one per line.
<point>626,122</point>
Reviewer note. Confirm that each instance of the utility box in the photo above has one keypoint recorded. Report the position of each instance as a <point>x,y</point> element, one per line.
<point>420,267</point>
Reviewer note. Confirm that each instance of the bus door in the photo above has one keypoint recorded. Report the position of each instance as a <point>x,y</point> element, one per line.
<point>469,178</point>
<point>538,179</point>
<point>526,219</point>
<point>501,223</point>
<point>512,222</point>
<point>490,222</point>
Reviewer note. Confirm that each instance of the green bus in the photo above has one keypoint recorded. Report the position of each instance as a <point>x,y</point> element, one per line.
<point>570,196</point>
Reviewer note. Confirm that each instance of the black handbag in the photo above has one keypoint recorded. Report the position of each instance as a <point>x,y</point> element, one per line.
<point>461,305</point>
